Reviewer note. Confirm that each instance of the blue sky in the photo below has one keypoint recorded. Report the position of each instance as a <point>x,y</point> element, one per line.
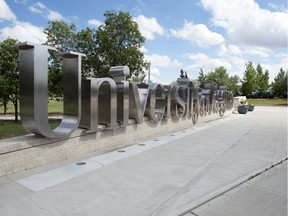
<point>186,34</point>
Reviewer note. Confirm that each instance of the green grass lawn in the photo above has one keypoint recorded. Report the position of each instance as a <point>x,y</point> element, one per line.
<point>268,102</point>
<point>9,128</point>
<point>54,107</point>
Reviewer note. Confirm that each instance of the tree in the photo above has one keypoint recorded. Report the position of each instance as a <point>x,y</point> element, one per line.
<point>9,74</point>
<point>182,73</point>
<point>4,94</point>
<point>262,81</point>
<point>61,36</point>
<point>219,76</point>
<point>249,80</point>
<point>279,86</point>
<point>233,84</point>
<point>86,43</point>
<point>119,43</point>
<point>140,78</point>
<point>202,78</point>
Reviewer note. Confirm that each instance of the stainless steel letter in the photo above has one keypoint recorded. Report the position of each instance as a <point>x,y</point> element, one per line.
<point>138,94</point>
<point>34,91</point>
<point>187,84</point>
<point>195,105</point>
<point>177,101</point>
<point>154,109</point>
<point>99,103</point>
<point>119,74</point>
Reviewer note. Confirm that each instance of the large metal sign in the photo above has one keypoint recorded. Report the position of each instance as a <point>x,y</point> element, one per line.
<point>104,103</point>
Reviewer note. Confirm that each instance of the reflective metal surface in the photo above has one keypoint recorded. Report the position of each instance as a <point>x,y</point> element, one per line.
<point>155,109</point>
<point>99,103</point>
<point>33,60</point>
<point>177,101</point>
<point>195,105</point>
<point>138,95</point>
<point>119,74</point>
<point>106,101</point>
<point>187,84</point>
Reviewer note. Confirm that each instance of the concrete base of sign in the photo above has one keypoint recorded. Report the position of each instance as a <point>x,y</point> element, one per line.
<point>26,152</point>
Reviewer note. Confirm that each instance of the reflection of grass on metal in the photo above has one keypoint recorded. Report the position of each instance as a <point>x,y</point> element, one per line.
<point>268,102</point>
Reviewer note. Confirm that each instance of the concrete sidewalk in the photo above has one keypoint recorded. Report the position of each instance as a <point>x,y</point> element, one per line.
<point>263,195</point>
<point>174,174</point>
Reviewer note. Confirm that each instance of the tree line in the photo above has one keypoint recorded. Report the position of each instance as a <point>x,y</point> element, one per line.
<point>116,42</point>
<point>255,82</point>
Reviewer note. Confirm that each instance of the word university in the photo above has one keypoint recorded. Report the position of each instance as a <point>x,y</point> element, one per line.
<point>106,103</point>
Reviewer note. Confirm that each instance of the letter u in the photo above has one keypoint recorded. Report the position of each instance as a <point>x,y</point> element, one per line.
<point>33,63</point>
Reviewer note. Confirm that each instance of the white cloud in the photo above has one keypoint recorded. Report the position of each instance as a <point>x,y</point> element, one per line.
<point>40,8</point>
<point>35,10</point>
<point>279,7</point>
<point>5,12</point>
<point>282,55</point>
<point>144,49</point>
<point>247,23</point>
<point>149,27</point>
<point>154,74</point>
<point>238,65</point>
<point>161,61</point>
<point>54,15</point>
<point>95,22</point>
<point>160,65</point>
<point>20,1</point>
<point>208,64</point>
<point>40,5</point>
<point>261,52</point>
<point>23,31</point>
<point>198,34</point>
<point>229,50</point>
<point>154,71</point>
<point>235,57</point>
